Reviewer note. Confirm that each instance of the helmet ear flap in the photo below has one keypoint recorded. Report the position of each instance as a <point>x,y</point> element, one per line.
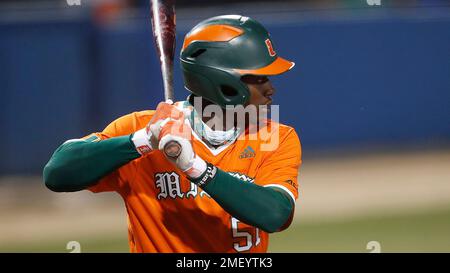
<point>216,85</point>
<point>228,91</point>
<point>231,90</point>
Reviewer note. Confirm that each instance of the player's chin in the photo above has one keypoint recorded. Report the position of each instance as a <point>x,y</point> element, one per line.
<point>260,112</point>
<point>264,109</point>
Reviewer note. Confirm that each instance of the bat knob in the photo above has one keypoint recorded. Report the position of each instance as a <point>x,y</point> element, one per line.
<point>172,149</point>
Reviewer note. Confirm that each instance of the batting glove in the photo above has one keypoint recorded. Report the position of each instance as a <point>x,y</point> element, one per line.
<point>146,139</point>
<point>180,131</point>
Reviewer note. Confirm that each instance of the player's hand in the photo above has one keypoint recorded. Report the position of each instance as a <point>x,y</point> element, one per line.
<point>146,139</point>
<point>180,132</point>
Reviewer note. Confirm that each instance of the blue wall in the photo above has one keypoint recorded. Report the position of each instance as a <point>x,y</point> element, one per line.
<point>356,82</point>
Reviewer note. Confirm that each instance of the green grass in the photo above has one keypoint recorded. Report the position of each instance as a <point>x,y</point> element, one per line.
<point>419,232</point>
<point>110,243</point>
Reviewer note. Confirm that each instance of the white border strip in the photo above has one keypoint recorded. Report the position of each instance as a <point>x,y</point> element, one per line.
<point>283,188</point>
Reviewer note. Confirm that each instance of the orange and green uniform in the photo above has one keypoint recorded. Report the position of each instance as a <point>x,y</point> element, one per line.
<point>168,213</point>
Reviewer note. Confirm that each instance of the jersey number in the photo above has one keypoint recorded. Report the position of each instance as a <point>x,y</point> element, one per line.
<point>244,236</point>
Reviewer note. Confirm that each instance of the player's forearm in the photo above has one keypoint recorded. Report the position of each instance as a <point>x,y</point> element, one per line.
<point>77,165</point>
<point>263,207</point>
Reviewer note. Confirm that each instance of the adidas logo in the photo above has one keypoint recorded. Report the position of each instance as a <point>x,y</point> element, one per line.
<point>247,153</point>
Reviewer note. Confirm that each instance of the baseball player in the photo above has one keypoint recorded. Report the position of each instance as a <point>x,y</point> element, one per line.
<point>225,191</point>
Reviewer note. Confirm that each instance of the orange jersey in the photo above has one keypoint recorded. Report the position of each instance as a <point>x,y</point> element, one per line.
<point>168,213</point>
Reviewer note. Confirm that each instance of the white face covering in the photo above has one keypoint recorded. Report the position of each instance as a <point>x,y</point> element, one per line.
<point>218,138</point>
<point>213,137</point>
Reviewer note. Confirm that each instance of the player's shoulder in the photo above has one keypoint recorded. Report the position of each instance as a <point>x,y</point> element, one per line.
<point>284,131</point>
<point>275,136</point>
<point>282,139</point>
<point>129,123</point>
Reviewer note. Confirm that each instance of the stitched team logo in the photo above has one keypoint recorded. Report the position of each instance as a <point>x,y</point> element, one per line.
<point>270,47</point>
<point>169,185</point>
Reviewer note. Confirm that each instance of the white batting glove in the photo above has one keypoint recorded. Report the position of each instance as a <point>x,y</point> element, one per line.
<point>146,139</point>
<point>180,132</point>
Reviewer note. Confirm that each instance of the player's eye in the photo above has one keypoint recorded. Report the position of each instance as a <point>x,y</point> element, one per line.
<point>254,79</point>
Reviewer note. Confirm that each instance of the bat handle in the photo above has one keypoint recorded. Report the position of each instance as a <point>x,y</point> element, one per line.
<point>172,149</point>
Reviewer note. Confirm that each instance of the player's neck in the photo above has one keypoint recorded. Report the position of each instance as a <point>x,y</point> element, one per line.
<point>220,119</point>
<point>216,119</point>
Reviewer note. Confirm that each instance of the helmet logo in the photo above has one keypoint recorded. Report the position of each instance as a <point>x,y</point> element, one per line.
<point>270,47</point>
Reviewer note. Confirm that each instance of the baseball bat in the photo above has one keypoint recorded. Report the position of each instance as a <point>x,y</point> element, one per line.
<point>164,28</point>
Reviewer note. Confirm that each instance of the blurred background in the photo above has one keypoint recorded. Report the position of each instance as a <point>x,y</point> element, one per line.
<point>369,97</point>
